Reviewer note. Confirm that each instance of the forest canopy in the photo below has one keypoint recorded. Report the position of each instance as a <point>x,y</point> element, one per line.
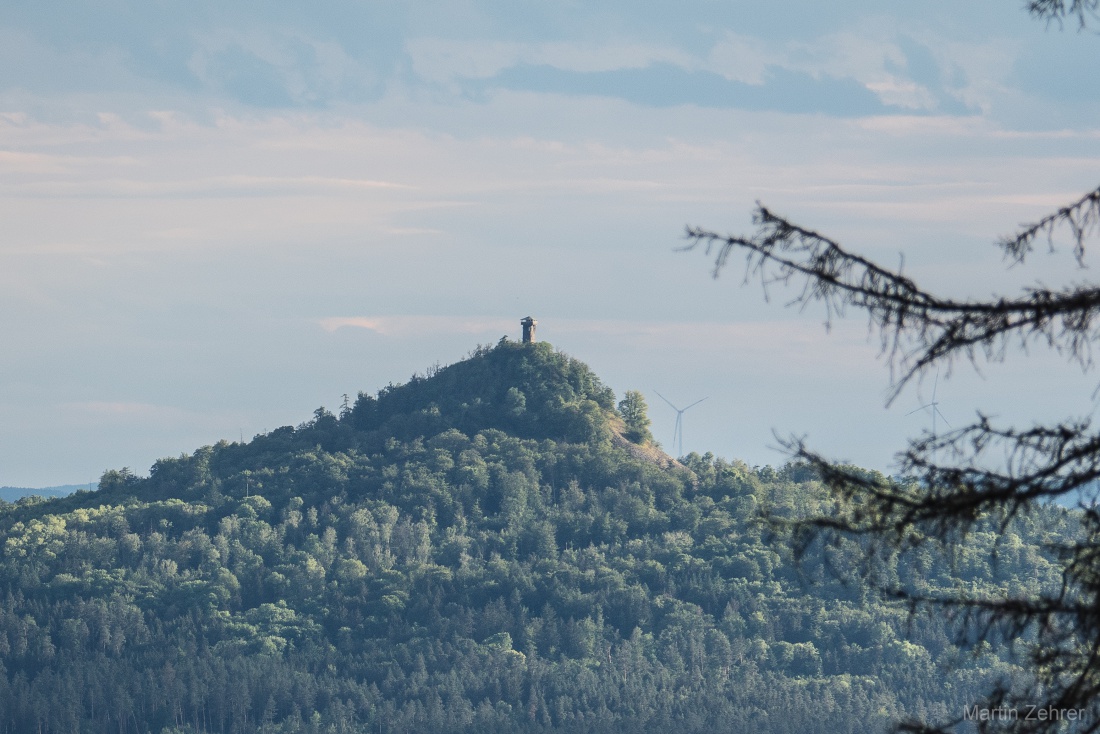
<point>477,550</point>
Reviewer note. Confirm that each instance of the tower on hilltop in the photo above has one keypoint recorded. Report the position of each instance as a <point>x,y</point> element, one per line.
<point>528,325</point>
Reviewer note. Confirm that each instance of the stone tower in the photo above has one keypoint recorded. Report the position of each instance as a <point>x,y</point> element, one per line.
<point>528,325</point>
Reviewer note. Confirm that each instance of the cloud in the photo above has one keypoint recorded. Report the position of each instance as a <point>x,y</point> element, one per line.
<point>352,53</point>
<point>667,85</point>
<point>441,60</point>
<point>901,71</point>
<point>272,69</point>
<point>236,185</point>
<point>865,70</point>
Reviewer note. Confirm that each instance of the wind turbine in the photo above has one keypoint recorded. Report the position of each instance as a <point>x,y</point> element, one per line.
<point>932,407</point>
<point>678,433</point>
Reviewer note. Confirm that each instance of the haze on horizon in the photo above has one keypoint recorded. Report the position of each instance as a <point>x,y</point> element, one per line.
<point>217,219</point>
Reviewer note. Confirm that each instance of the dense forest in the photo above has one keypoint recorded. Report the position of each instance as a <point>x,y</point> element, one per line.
<point>496,546</point>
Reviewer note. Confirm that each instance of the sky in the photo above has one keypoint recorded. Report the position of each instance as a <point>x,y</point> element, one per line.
<point>219,216</point>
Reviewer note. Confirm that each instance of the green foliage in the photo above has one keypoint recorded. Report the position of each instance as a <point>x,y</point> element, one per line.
<point>528,390</point>
<point>632,408</point>
<point>433,563</point>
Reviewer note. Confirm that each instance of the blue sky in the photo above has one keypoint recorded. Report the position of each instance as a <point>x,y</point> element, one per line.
<point>220,216</point>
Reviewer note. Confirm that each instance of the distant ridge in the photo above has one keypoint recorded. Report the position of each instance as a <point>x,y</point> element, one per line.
<point>11,494</point>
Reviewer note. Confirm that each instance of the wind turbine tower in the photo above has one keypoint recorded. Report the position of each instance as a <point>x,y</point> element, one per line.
<point>933,407</point>
<point>678,432</point>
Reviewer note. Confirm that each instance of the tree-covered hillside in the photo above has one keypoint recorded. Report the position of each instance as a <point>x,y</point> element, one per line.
<point>478,550</point>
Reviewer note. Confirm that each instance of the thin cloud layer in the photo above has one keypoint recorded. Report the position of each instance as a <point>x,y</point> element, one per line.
<point>846,62</point>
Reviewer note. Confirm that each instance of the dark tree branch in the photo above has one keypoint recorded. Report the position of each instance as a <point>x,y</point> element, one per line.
<point>1057,10</point>
<point>989,476</point>
<point>1061,624</point>
<point>917,328</point>
<point>1082,218</point>
<point>1041,463</point>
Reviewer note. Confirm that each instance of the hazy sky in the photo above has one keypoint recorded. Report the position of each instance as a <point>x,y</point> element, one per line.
<point>219,216</point>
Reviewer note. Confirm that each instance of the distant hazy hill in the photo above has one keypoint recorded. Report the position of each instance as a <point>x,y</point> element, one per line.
<point>11,494</point>
<point>477,550</point>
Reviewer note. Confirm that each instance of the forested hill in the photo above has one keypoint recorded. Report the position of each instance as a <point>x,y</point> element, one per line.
<point>478,550</point>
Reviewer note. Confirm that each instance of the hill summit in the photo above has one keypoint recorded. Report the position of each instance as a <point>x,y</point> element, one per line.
<point>526,390</point>
<point>477,550</point>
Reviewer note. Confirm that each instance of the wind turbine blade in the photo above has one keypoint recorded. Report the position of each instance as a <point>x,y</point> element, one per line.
<point>911,412</point>
<point>695,403</point>
<point>942,418</point>
<point>935,385</point>
<point>662,397</point>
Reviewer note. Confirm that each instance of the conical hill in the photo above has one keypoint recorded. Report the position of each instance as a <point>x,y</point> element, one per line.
<point>477,550</point>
